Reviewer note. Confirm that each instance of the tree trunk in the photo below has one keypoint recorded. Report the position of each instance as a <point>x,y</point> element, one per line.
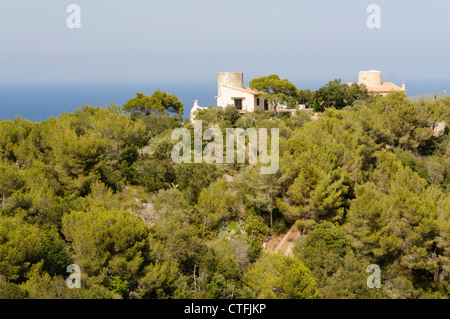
<point>271,221</point>
<point>274,107</point>
<point>195,283</point>
<point>270,206</point>
<point>204,228</point>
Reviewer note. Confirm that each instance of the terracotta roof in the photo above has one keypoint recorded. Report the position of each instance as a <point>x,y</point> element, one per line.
<point>245,90</point>
<point>385,87</point>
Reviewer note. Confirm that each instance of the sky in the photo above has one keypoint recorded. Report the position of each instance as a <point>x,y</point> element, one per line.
<point>178,40</point>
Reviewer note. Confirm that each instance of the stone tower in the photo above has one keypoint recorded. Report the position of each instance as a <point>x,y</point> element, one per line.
<point>233,79</point>
<point>370,78</point>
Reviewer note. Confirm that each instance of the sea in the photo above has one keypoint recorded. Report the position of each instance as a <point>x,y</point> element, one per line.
<point>40,101</point>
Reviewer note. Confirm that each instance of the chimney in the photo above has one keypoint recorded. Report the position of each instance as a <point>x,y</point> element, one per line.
<point>403,86</point>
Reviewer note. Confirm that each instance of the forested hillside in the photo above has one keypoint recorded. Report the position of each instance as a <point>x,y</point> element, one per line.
<point>365,184</point>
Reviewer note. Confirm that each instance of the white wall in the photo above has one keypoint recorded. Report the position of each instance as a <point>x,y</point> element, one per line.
<point>248,100</point>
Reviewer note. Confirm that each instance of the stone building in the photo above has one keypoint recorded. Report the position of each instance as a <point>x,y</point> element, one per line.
<point>373,81</point>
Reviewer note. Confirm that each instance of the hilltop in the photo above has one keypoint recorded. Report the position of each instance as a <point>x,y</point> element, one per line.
<point>366,184</point>
<point>430,96</point>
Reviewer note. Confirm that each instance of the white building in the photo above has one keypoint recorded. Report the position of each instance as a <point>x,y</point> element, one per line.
<point>231,91</point>
<point>372,80</point>
<point>194,109</point>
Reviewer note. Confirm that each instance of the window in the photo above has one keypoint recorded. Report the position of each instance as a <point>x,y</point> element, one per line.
<point>257,101</point>
<point>266,105</point>
<point>238,103</point>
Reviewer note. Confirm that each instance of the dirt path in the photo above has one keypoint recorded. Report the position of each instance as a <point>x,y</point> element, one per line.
<point>283,244</point>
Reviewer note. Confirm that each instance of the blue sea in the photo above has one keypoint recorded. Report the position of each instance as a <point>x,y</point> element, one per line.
<point>39,101</point>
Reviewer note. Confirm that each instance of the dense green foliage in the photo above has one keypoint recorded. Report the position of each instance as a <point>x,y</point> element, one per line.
<point>365,184</point>
<point>158,102</point>
<point>277,91</point>
<point>338,95</point>
<point>333,94</point>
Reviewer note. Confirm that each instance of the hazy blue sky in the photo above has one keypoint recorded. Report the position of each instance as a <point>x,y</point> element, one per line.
<point>302,40</point>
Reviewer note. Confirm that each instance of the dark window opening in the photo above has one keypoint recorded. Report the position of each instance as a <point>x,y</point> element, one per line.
<point>257,102</point>
<point>266,105</point>
<point>238,103</point>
